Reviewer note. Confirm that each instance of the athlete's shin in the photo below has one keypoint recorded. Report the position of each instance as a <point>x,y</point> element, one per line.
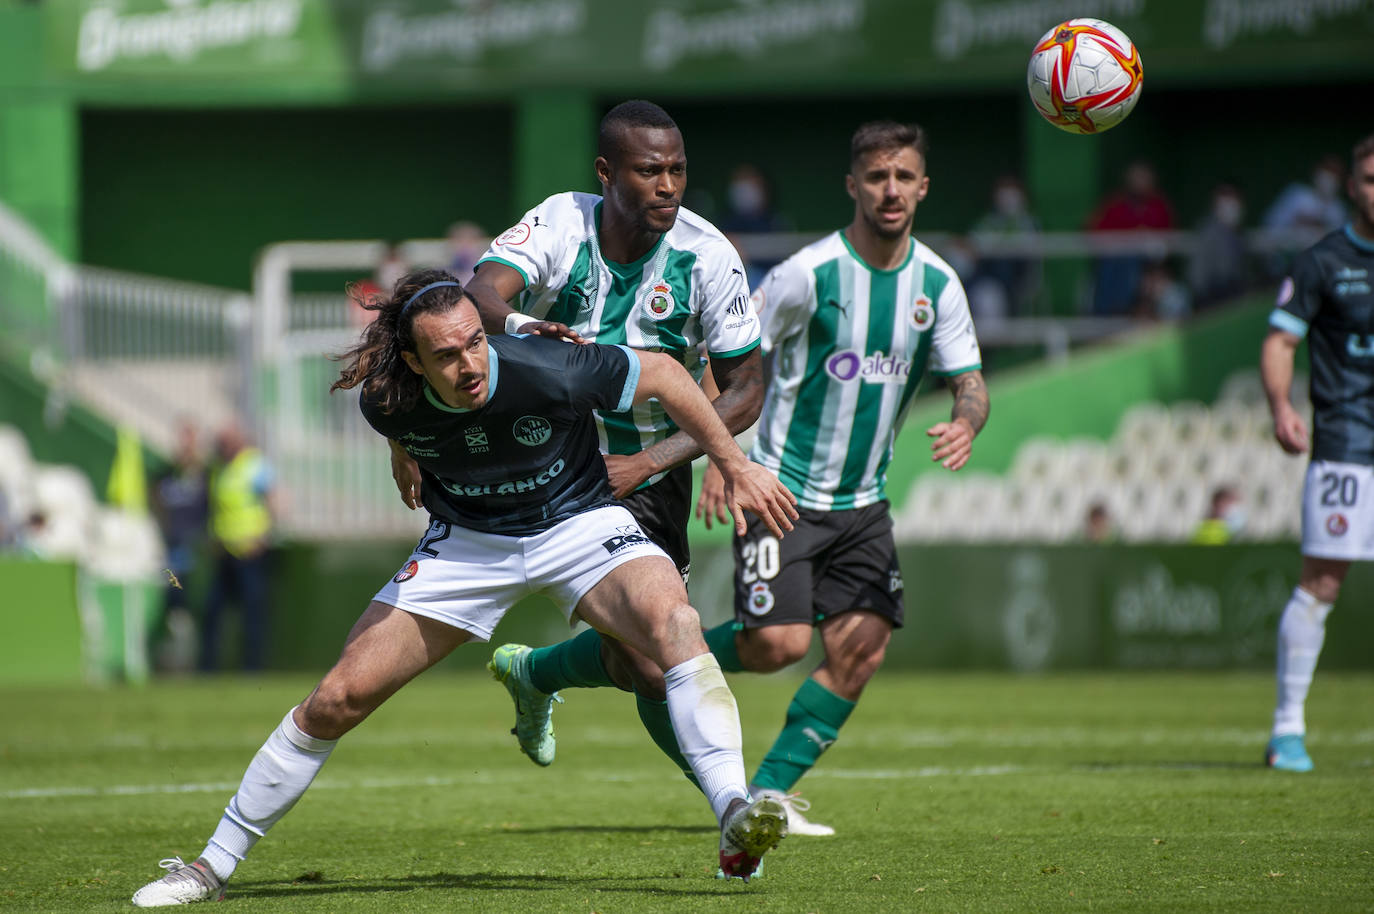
<point>814,719</point>
<point>706,720</point>
<point>1302,631</point>
<point>276,778</point>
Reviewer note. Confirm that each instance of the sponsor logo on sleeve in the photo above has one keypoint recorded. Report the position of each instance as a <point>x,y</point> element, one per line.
<point>532,431</point>
<point>408,571</point>
<point>922,314</point>
<point>516,234</point>
<point>760,599</point>
<point>1286,290</point>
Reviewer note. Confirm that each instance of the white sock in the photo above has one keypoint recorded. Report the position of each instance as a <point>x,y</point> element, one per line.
<point>1302,629</point>
<point>706,720</point>
<point>274,781</point>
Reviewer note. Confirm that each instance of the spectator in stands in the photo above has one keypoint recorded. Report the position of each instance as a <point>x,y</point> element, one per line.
<point>180,505</point>
<point>1219,268</point>
<point>240,502</point>
<point>1225,518</point>
<point>466,245</point>
<point>1161,297</point>
<point>391,269</point>
<point>1097,525</point>
<point>750,211</point>
<point>1137,206</point>
<point>1316,207</point>
<point>1003,285</point>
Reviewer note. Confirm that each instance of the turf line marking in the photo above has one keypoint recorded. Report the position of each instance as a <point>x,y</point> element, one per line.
<point>131,790</point>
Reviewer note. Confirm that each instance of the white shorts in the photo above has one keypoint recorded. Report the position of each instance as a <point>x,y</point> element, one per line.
<point>468,579</point>
<point>1338,511</point>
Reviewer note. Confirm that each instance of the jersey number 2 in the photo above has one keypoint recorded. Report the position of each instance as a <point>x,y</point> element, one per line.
<point>438,532</point>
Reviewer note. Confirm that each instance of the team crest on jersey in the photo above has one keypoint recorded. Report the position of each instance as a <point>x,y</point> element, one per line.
<point>922,314</point>
<point>1337,525</point>
<point>760,599</point>
<point>532,431</point>
<point>516,234</point>
<point>408,571</point>
<point>659,300</point>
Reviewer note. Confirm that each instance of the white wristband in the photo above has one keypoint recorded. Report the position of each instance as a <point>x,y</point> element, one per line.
<point>515,320</point>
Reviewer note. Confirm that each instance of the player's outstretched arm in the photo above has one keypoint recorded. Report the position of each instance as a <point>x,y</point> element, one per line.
<point>748,486</point>
<point>953,444</point>
<point>735,388</point>
<point>492,288</point>
<point>1276,374</point>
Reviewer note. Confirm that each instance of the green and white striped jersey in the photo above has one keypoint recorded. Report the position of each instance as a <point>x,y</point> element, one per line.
<point>849,346</point>
<point>689,289</point>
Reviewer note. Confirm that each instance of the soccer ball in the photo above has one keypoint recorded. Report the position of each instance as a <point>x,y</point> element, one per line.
<point>1084,76</point>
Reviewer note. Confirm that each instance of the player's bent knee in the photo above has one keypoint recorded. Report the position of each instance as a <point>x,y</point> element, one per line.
<point>767,653</point>
<point>333,709</point>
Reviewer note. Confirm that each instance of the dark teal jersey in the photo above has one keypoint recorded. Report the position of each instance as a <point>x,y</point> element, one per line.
<point>529,457</point>
<point>1329,299</point>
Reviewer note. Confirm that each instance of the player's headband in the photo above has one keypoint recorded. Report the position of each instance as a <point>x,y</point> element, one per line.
<point>434,285</point>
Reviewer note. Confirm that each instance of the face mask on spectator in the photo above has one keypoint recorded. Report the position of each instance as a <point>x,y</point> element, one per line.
<point>1009,201</point>
<point>1328,185</point>
<point>1228,211</point>
<point>746,197</point>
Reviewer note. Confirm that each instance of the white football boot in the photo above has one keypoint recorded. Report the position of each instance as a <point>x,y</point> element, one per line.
<point>184,883</point>
<point>796,804</point>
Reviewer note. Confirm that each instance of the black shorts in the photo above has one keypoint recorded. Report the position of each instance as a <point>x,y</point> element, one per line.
<point>831,563</point>
<point>662,511</point>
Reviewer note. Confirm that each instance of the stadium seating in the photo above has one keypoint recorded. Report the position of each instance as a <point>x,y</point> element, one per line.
<point>112,543</point>
<point>1155,477</point>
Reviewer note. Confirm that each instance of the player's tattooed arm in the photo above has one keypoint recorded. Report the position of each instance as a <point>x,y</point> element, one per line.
<point>953,440</point>
<point>740,385</point>
<point>970,399</point>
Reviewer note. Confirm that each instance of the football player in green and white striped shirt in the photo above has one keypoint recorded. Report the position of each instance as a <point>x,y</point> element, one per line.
<point>850,325</point>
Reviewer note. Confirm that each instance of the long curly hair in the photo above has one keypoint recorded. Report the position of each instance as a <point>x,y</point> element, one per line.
<point>376,364</point>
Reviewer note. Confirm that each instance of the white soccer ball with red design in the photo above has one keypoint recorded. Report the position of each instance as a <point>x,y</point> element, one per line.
<point>1084,76</point>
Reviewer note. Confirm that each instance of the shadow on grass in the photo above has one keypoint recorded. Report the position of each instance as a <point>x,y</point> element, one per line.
<point>483,882</point>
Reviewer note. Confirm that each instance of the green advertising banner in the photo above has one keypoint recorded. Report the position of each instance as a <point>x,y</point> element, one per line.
<point>1015,606</point>
<point>447,46</point>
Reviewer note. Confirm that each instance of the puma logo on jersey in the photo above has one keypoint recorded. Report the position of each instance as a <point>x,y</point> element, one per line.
<point>821,744</point>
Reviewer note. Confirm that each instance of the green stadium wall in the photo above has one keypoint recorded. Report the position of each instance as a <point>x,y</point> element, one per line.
<point>1021,607</point>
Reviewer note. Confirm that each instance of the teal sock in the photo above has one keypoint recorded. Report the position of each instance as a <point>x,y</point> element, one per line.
<point>572,664</point>
<point>654,715</point>
<point>813,722</point>
<point>721,641</point>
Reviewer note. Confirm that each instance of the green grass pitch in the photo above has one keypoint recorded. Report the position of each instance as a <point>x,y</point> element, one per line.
<point>951,793</point>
